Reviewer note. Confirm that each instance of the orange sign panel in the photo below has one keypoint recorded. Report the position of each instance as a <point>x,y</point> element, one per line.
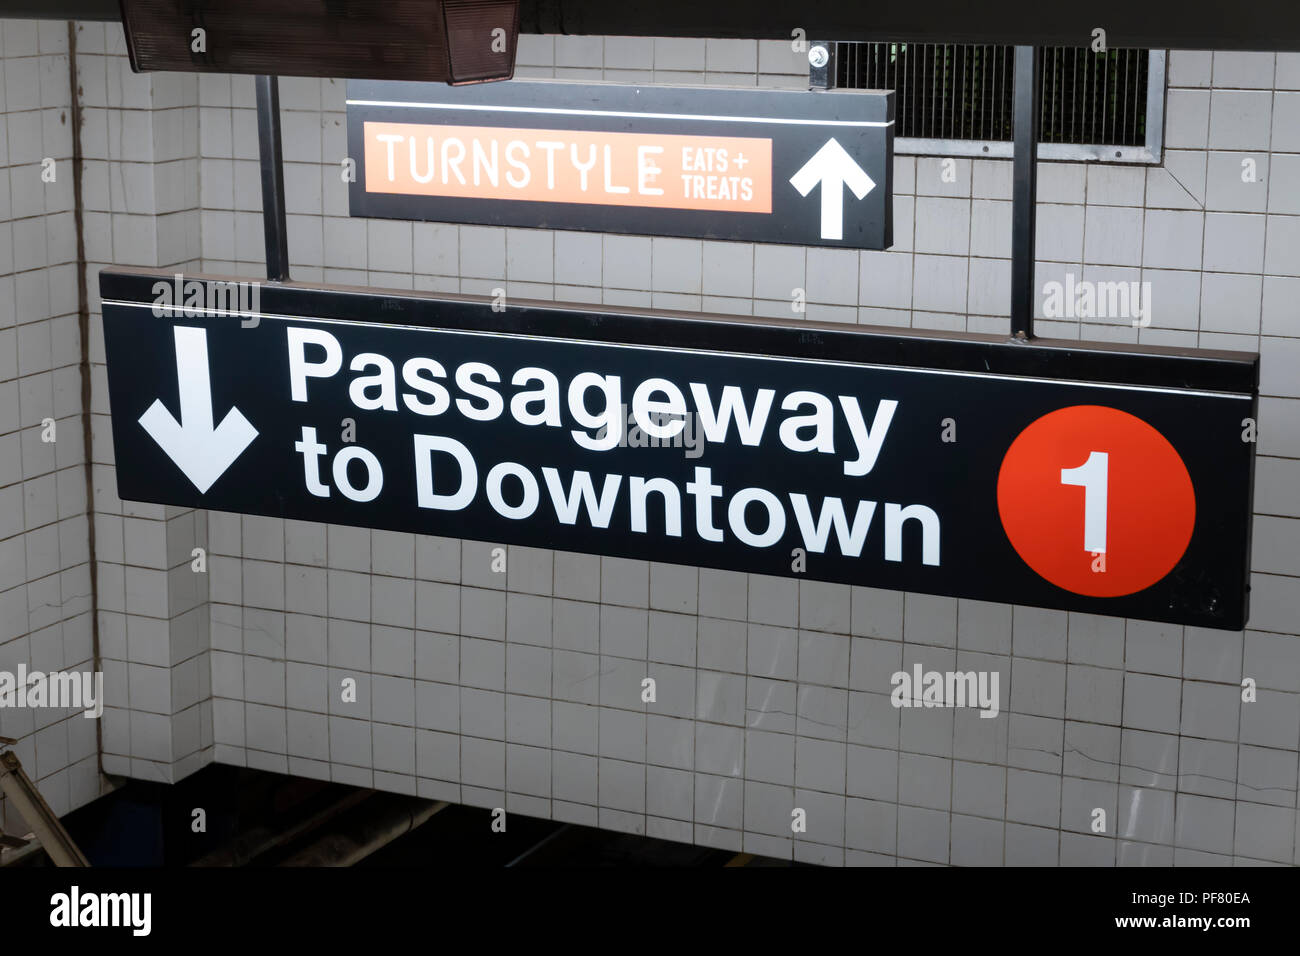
<point>723,173</point>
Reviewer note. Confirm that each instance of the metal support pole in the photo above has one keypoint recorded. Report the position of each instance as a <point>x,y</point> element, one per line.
<point>1024,193</point>
<point>31,806</point>
<point>273,216</point>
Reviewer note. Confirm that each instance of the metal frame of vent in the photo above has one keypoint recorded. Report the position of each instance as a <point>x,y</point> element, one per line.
<point>821,75</point>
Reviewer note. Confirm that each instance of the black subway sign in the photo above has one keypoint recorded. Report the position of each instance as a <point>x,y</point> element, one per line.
<point>785,166</point>
<point>1112,481</point>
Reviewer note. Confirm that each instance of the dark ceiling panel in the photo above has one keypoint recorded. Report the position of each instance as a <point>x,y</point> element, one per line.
<point>60,10</point>
<point>430,40</point>
<point>1179,24</point>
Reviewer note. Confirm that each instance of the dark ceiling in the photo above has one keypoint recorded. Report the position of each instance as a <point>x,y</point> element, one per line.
<point>1178,24</point>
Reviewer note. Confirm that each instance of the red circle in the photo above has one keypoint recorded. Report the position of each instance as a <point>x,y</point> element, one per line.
<point>1149,504</point>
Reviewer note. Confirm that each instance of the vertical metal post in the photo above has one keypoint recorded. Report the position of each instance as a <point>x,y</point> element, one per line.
<point>269,148</point>
<point>1027,102</point>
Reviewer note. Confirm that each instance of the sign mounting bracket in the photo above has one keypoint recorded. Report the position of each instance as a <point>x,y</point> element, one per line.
<point>1024,190</point>
<point>271,154</point>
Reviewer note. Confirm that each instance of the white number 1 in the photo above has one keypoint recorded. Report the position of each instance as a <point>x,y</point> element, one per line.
<point>1093,476</point>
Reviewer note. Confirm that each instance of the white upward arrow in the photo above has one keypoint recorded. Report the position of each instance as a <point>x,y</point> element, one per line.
<point>834,169</point>
<point>202,452</point>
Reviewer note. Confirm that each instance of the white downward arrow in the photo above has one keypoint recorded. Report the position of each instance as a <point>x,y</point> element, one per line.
<point>834,169</point>
<point>202,452</point>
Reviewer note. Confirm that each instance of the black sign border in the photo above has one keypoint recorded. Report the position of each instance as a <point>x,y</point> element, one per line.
<point>1170,369</point>
<point>1109,362</point>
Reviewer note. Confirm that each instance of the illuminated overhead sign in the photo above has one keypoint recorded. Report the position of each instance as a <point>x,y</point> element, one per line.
<point>1107,480</point>
<point>762,165</point>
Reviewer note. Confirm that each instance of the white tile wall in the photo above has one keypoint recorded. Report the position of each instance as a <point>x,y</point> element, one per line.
<point>45,599</point>
<point>140,197</point>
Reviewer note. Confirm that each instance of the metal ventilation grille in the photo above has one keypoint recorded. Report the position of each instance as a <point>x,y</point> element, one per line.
<point>963,92</point>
